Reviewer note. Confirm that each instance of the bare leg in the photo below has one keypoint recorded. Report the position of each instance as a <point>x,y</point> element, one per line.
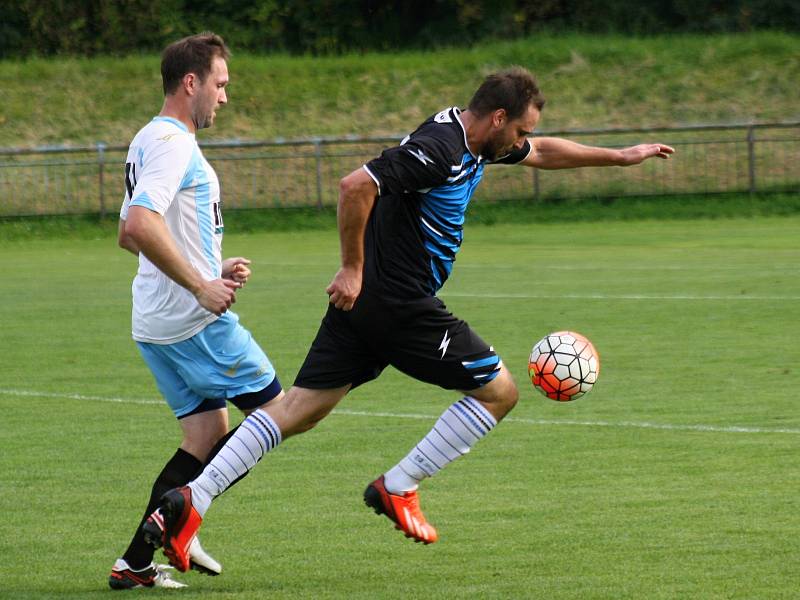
<point>297,411</point>
<point>456,431</point>
<point>499,396</point>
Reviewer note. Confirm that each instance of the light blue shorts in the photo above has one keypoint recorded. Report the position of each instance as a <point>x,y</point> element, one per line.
<point>220,362</point>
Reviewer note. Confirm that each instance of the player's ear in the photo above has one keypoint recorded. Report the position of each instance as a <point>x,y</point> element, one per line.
<point>499,117</point>
<point>189,83</point>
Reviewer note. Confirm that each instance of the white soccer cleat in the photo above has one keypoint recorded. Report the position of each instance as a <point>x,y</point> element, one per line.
<point>122,577</point>
<point>202,561</point>
<point>164,578</point>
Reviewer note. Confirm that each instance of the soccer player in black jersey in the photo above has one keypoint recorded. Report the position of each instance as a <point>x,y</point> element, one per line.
<point>400,224</point>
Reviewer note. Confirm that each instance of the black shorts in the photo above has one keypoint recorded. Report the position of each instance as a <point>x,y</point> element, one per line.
<point>419,337</point>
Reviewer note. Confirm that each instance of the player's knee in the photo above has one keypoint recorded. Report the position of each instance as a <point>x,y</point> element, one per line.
<point>512,397</point>
<point>508,395</point>
<point>505,394</point>
<point>500,396</point>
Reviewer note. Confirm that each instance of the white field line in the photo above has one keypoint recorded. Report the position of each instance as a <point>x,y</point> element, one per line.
<point>539,422</point>
<point>463,265</point>
<point>723,298</point>
<point>32,394</point>
<point>790,268</point>
<point>623,424</point>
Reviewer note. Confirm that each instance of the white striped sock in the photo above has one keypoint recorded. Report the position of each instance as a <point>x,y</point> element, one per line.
<point>456,431</point>
<point>257,435</point>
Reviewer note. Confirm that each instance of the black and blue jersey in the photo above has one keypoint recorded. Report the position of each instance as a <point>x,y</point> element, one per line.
<point>416,227</point>
<point>412,237</point>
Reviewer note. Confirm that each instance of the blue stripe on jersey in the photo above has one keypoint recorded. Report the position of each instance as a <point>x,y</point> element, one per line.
<point>444,209</point>
<point>143,200</point>
<point>203,200</point>
<point>197,176</point>
<point>483,379</point>
<point>175,122</point>
<point>484,362</point>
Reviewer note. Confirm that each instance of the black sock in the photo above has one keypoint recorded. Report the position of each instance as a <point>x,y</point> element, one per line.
<point>179,470</point>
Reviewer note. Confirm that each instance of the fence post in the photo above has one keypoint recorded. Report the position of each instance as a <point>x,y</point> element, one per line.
<point>318,160</point>
<point>751,159</point>
<point>101,167</point>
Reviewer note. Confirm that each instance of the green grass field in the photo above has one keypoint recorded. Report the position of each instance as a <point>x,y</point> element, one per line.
<point>676,477</point>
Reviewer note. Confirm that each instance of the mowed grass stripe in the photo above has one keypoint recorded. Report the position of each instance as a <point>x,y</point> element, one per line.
<point>501,296</point>
<point>431,417</point>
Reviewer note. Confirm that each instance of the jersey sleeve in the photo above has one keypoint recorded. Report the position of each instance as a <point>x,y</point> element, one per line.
<point>422,162</point>
<point>158,177</point>
<point>515,156</point>
<point>123,211</point>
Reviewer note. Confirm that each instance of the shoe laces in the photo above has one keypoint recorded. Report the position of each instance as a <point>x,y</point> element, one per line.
<point>412,498</point>
<point>412,503</point>
<point>163,576</point>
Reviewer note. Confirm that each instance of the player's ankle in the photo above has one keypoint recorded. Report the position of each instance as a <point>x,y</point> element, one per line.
<point>397,482</point>
<point>201,499</point>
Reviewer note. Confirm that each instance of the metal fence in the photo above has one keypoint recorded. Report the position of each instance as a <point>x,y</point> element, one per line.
<point>306,172</point>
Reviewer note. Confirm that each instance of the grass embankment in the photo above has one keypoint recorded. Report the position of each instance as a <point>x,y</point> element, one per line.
<point>590,81</point>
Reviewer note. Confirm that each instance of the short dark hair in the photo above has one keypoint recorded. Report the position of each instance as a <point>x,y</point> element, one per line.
<point>193,54</point>
<point>513,89</point>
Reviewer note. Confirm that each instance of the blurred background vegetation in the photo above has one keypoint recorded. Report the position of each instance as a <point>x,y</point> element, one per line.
<point>589,80</point>
<point>78,73</point>
<point>91,27</point>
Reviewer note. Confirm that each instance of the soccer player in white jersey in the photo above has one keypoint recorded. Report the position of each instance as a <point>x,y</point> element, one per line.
<point>401,218</point>
<point>199,354</point>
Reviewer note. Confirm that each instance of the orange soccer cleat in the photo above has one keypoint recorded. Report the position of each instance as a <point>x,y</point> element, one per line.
<point>174,525</point>
<point>402,509</point>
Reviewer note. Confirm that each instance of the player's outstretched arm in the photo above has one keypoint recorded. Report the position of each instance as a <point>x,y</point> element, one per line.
<point>149,232</point>
<point>558,153</point>
<point>357,192</point>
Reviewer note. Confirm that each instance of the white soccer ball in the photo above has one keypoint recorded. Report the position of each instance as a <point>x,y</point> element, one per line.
<point>564,366</point>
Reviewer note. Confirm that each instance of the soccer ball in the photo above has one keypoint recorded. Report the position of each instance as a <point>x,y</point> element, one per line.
<point>564,366</point>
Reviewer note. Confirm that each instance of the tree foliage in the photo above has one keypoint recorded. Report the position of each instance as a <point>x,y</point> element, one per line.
<point>88,27</point>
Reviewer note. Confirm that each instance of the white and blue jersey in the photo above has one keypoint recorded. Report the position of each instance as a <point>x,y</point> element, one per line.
<point>199,360</point>
<point>416,227</point>
<point>165,171</point>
